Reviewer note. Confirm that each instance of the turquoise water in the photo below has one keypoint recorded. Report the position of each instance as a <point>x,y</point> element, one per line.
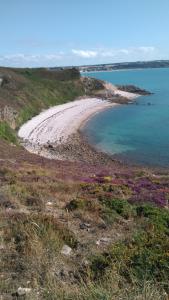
<point>137,133</point>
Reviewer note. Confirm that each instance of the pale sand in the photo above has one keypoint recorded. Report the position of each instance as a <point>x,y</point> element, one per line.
<point>56,125</point>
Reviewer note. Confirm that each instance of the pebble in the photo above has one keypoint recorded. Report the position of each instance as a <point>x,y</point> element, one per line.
<point>49,203</point>
<point>105,240</point>
<point>66,250</point>
<point>23,291</point>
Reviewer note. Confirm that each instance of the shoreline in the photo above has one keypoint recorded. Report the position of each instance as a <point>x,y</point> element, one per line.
<point>118,70</point>
<point>45,136</point>
<point>57,129</point>
<point>76,146</point>
<point>56,133</point>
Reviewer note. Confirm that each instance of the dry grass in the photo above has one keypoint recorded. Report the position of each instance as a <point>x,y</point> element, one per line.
<point>42,208</point>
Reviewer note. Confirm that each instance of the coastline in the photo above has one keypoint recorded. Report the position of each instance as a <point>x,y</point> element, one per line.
<point>50,133</point>
<point>123,70</point>
<point>114,70</point>
<point>56,132</point>
<point>74,146</point>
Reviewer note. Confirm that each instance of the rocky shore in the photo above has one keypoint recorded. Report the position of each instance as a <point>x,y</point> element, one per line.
<point>133,89</point>
<point>77,148</point>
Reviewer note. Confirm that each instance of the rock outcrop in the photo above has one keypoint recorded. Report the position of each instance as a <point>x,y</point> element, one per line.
<point>133,89</point>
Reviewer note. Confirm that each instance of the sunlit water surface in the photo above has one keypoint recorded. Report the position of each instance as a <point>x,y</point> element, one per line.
<point>137,133</point>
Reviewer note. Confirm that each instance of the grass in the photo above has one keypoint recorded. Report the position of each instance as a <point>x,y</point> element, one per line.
<point>44,93</point>
<point>7,133</point>
<point>28,91</point>
<point>35,242</point>
<point>108,290</point>
<point>142,257</point>
<point>135,266</point>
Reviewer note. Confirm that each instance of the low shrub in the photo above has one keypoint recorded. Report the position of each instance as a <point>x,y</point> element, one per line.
<point>158,217</point>
<point>99,265</point>
<point>146,257</point>
<point>76,204</point>
<point>120,206</point>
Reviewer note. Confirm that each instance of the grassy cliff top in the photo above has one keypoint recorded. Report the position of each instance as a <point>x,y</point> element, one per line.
<point>26,92</point>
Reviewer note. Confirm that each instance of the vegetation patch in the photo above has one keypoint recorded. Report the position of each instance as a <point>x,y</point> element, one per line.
<point>7,133</point>
<point>120,206</point>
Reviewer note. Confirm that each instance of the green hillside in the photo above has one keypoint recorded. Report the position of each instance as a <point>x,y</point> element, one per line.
<point>26,92</point>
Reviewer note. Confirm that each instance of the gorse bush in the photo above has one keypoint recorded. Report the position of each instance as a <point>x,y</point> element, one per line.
<point>157,216</point>
<point>120,206</point>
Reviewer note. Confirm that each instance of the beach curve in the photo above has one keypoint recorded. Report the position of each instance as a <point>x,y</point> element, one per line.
<point>55,127</point>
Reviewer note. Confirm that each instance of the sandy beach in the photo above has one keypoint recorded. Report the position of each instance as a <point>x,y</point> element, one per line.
<point>56,124</point>
<point>56,127</point>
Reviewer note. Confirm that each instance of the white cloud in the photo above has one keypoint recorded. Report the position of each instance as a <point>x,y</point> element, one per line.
<point>146,49</point>
<point>107,53</point>
<point>112,52</point>
<point>85,53</point>
<point>28,60</point>
<point>124,51</point>
<point>30,57</point>
<point>80,56</point>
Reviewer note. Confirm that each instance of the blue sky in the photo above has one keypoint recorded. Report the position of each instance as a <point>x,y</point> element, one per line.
<point>74,32</point>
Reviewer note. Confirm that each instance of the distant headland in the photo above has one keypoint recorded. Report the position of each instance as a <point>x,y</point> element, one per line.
<point>121,66</point>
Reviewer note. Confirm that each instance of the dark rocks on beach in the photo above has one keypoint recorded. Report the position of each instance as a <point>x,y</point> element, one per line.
<point>50,146</point>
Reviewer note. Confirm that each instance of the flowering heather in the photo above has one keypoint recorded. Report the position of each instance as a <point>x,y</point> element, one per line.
<point>157,198</point>
<point>118,182</point>
<point>134,189</point>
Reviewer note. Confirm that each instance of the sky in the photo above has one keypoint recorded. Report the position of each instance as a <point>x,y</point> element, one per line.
<point>35,33</point>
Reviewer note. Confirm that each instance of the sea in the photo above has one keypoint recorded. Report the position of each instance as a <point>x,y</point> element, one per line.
<point>135,133</point>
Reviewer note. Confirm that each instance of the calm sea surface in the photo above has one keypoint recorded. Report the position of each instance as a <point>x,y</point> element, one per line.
<point>137,133</point>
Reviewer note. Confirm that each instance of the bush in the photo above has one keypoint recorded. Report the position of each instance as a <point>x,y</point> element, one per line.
<point>99,265</point>
<point>145,258</point>
<point>158,217</point>
<point>120,206</point>
<point>76,204</point>
<point>109,216</point>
